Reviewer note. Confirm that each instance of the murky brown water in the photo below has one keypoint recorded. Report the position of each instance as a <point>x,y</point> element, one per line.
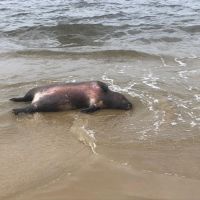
<point>148,51</point>
<point>151,152</point>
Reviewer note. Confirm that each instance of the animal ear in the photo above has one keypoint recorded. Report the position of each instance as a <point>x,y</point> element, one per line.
<point>103,86</point>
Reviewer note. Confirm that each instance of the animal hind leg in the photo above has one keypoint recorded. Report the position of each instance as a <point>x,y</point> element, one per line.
<point>18,99</point>
<point>29,109</point>
<point>26,98</point>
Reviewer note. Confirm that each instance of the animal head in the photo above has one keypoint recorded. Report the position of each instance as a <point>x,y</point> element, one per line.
<point>119,101</point>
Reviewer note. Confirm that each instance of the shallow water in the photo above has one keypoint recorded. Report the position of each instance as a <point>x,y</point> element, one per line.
<point>148,51</point>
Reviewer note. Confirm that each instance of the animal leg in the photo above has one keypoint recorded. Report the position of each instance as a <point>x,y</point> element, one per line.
<point>29,109</point>
<point>28,97</point>
<point>18,99</point>
<point>90,109</point>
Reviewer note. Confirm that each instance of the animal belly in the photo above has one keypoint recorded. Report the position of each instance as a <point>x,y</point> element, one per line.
<point>48,102</point>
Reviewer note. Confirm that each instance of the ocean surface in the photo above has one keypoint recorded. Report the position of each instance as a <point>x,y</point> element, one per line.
<point>147,50</point>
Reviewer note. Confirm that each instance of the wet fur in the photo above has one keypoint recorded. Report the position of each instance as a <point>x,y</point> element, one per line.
<point>87,96</point>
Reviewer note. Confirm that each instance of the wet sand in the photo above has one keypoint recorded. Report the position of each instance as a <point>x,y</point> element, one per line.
<point>103,179</point>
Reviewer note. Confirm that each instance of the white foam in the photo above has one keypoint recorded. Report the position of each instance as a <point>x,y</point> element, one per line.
<point>182,64</point>
<point>155,101</point>
<point>92,140</point>
<point>173,123</point>
<point>151,81</point>
<point>143,135</point>
<point>190,88</point>
<point>151,85</point>
<point>193,56</point>
<point>117,88</point>
<point>182,105</point>
<point>197,97</point>
<point>158,122</point>
<point>189,73</point>
<point>180,118</point>
<point>182,74</point>
<point>159,116</point>
<point>193,124</point>
<point>109,80</point>
<point>163,62</point>
<point>121,71</point>
<point>169,97</point>
<point>83,133</point>
<point>125,164</point>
